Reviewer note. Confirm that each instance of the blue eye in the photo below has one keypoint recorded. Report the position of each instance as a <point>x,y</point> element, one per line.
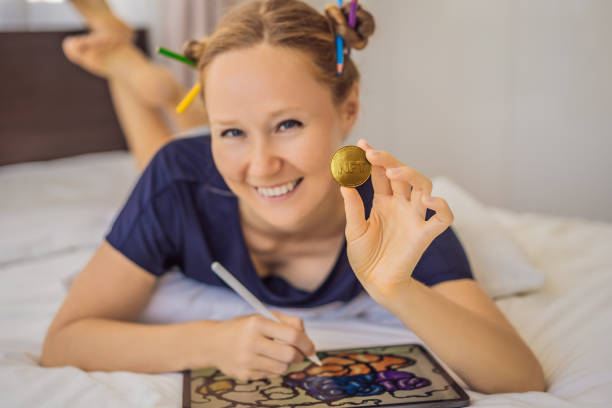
<point>232,133</point>
<point>288,124</point>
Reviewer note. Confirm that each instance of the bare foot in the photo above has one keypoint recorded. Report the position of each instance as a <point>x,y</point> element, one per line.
<point>99,17</point>
<point>94,52</point>
<point>107,51</point>
<point>109,56</point>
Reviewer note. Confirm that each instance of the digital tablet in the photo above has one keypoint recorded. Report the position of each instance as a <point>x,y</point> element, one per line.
<point>403,375</point>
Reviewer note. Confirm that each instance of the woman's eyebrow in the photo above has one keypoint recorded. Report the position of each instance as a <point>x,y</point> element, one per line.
<point>273,114</point>
<point>223,122</point>
<point>279,112</point>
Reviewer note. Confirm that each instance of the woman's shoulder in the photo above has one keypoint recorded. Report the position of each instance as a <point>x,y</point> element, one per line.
<point>184,160</point>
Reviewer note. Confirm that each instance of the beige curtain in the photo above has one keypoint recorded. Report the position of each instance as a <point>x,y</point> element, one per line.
<point>184,20</point>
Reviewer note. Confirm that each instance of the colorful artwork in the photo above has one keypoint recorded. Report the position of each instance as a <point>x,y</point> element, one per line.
<point>366,377</point>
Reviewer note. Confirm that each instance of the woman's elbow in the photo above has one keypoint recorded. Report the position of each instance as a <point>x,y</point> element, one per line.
<point>47,359</point>
<point>532,377</point>
<point>536,383</point>
<point>528,381</point>
<point>50,355</point>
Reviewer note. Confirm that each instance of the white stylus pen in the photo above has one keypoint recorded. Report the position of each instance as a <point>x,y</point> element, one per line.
<point>244,293</point>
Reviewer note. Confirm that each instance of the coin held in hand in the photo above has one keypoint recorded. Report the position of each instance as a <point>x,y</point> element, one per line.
<point>349,166</point>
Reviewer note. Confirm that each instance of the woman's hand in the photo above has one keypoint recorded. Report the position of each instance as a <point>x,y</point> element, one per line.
<point>384,249</point>
<point>252,347</point>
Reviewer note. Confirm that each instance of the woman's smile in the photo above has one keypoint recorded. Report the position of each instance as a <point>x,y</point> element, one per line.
<point>278,192</point>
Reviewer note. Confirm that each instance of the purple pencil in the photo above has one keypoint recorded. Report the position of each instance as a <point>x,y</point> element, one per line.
<point>353,14</point>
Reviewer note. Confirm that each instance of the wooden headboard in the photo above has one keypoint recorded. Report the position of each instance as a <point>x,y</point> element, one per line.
<point>50,108</point>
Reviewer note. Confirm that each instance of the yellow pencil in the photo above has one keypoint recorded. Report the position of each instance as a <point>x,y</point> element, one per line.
<point>180,108</point>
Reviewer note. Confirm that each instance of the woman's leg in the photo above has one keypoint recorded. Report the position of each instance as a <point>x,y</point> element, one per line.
<point>141,90</point>
<point>144,126</point>
<point>155,86</point>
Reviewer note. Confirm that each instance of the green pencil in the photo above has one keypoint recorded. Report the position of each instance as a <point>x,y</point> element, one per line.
<point>168,53</point>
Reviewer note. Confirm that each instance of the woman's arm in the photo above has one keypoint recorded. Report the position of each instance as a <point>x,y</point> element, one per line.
<point>455,319</point>
<point>461,324</point>
<point>106,345</point>
<point>93,328</point>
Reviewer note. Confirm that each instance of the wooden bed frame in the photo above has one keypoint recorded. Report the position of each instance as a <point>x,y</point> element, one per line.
<point>50,108</point>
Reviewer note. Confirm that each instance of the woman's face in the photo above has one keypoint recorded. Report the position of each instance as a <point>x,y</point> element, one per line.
<point>274,129</point>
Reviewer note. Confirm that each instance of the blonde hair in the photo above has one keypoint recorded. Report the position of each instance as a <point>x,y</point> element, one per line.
<point>294,25</point>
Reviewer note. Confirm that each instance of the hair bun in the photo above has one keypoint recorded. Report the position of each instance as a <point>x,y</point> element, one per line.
<point>194,49</point>
<point>353,37</point>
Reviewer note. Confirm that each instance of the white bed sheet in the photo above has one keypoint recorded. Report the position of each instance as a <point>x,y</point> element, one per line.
<point>567,323</point>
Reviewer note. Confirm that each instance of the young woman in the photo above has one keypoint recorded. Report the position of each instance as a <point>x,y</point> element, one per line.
<point>256,195</point>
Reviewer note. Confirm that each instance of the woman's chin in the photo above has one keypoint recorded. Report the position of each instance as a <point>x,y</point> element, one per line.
<point>285,211</point>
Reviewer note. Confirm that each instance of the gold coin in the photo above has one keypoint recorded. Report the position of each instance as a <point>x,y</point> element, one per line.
<point>349,166</point>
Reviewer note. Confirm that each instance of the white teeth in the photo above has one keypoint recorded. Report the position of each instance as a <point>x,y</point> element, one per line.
<point>277,191</point>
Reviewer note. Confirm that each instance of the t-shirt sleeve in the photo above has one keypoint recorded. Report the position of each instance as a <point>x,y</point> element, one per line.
<point>443,260</point>
<point>145,230</point>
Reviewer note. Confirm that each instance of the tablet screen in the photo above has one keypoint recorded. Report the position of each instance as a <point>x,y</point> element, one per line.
<point>387,376</point>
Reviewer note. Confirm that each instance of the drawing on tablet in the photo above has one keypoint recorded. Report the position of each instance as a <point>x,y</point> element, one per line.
<point>374,376</point>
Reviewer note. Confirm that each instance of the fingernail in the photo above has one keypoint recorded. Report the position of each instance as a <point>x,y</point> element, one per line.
<point>427,198</point>
<point>393,171</point>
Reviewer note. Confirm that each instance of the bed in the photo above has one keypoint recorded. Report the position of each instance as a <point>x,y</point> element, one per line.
<point>54,214</point>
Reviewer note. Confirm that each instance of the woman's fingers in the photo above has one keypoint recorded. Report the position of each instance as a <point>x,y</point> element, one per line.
<point>400,186</point>
<point>278,351</point>
<point>380,182</point>
<point>292,321</point>
<point>288,334</point>
<point>257,375</point>
<point>356,224</point>
<point>269,365</point>
<point>417,202</point>
<point>441,220</point>
<point>391,176</point>
<point>410,176</point>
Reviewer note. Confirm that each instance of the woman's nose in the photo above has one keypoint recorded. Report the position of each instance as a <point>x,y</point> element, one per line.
<point>263,160</point>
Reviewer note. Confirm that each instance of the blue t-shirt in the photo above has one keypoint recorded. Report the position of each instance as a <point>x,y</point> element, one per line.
<point>181,213</point>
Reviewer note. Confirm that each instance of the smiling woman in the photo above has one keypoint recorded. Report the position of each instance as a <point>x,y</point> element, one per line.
<point>278,148</point>
<point>257,196</point>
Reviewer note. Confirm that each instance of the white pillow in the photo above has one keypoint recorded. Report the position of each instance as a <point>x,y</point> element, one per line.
<point>498,263</point>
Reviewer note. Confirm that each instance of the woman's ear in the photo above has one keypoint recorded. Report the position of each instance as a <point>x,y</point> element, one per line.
<point>350,108</point>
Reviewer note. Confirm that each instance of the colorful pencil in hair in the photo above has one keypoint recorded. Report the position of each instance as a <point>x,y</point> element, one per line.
<point>180,108</point>
<point>339,54</point>
<point>339,49</point>
<point>353,14</point>
<point>167,53</point>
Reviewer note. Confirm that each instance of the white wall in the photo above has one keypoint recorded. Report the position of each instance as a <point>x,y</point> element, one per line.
<point>41,15</point>
<point>560,115</point>
<point>511,99</point>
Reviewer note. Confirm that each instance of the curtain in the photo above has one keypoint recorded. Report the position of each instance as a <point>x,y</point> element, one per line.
<point>184,20</point>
